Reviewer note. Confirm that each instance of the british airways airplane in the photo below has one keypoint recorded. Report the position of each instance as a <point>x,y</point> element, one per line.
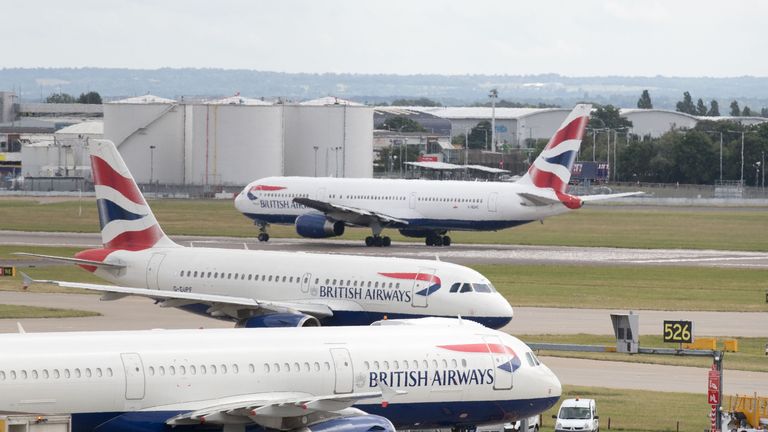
<point>405,374</point>
<point>322,207</point>
<point>264,288</point>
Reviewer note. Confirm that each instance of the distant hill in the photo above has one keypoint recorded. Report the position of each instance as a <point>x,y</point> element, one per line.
<point>36,83</point>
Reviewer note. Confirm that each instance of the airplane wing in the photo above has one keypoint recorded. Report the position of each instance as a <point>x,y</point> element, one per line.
<point>234,307</point>
<point>73,260</point>
<point>281,411</point>
<point>352,215</point>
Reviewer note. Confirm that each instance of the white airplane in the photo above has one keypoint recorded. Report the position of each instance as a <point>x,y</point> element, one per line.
<point>265,288</point>
<point>322,207</point>
<point>405,374</point>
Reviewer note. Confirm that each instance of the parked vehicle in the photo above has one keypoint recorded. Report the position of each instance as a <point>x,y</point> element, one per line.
<point>577,415</point>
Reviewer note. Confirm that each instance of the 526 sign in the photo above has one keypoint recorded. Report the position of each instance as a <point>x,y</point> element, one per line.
<point>678,331</point>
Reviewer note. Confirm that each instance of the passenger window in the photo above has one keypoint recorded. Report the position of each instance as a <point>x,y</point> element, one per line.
<point>396,365</point>
<point>270,278</point>
<point>213,369</point>
<point>296,367</point>
<point>109,372</point>
<point>195,274</point>
<point>250,276</point>
<point>77,373</point>
<point>172,370</point>
<point>283,279</point>
<point>306,366</point>
<point>327,366</point>
<point>223,369</point>
<point>209,275</point>
<point>203,371</point>
<point>87,372</point>
<point>455,287</point>
<point>317,367</point>
<point>235,276</point>
<point>229,275</point>
<point>56,374</point>
<point>235,369</point>
<point>182,273</point>
<point>13,375</point>
<point>277,367</point>
<point>266,367</point>
<point>216,275</point>
<point>34,374</point>
<point>366,364</point>
<point>182,370</point>
<point>386,365</point>
<point>192,370</point>
<point>286,367</point>
<point>251,368</point>
<point>45,374</point>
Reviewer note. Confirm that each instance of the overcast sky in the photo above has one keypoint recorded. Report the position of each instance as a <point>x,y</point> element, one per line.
<point>577,38</point>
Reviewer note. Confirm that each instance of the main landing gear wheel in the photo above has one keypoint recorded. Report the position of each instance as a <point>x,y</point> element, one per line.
<point>378,241</point>
<point>263,237</point>
<point>436,240</point>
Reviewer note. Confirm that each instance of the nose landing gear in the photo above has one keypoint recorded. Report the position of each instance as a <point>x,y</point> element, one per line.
<point>263,234</point>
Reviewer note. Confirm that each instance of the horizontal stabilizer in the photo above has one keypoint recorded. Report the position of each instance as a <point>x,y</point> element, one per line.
<point>588,198</point>
<point>536,200</point>
<point>73,260</point>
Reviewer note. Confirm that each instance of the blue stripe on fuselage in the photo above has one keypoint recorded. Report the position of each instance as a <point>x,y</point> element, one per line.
<point>414,224</point>
<point>403,416</point>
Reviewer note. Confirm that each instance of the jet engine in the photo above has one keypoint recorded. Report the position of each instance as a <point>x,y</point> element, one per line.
<point>362,423</point>
<point>314,225</point>
<point>279,320</point>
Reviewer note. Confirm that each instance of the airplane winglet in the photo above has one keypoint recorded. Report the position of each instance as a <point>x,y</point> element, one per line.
<point>26,280</point>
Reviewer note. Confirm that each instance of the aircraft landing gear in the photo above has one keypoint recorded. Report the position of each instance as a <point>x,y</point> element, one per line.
<point>263,234</point>
<point>378,241</point>
<point>437,240</point>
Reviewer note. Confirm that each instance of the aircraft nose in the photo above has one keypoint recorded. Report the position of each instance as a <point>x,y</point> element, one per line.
<point>503,309</point>
<point>554,389</point>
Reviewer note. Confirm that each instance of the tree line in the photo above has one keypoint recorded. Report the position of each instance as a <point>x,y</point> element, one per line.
<point>700,108</point>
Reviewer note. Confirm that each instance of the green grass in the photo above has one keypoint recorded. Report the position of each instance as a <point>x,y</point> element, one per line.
<point>639,410</point>
<point>17,312</point>
<point>615,226</point>
<point>750,357</point>
<point>644,287</point>
<point>43,270</point>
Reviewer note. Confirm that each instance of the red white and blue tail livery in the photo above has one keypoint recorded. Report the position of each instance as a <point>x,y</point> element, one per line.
<point>266,288</point>
<point>126,220</point>
<point>322,207</point>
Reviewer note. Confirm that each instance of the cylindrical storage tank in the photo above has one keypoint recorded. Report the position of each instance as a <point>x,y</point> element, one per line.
<point>232,144</point>
<point>149,136</point>
<point>343,136</point>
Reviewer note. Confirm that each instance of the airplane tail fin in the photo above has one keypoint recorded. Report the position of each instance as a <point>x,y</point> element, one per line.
<point>126,220</point>
<point>552,169</point>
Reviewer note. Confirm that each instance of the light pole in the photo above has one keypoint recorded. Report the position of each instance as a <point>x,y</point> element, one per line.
<point>336,160</point>
<point>493,95</point>
<point>151,164</point>
<point>742,154</point>
<point>315,147</point>
<point>757,174</point>
<point>721,153</point>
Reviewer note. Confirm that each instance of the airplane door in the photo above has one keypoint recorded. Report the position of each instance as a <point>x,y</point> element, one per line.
<point>134,376</point>
<point>342,364</point>
<point>420,292</point>
<point>412,204</point>
<point>153,270</point>
<point>492,198</point>
<point>305,282</point>
<point>502,363</point>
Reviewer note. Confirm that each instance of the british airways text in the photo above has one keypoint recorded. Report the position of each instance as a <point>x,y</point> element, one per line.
<point>350,293</point>
<point>450,377</point>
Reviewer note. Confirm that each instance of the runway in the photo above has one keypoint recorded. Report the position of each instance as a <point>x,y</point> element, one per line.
<point>465,254</point>
<point>133,313</point>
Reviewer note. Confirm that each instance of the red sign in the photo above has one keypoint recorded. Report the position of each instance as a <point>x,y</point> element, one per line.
<point>713,389</point>
<point>427,158</point>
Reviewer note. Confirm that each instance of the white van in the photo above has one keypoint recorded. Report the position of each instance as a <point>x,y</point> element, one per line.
<point>577,415</point>
<point>533,424</point>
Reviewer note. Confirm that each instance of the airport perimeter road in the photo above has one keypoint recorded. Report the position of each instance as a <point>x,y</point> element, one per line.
<point>531,321</point>
<point>458,253</point>
<point>640,376</point>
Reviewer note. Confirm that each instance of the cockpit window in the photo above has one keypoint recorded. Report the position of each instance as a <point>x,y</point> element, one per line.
<point>529,357</point>
<point>535,359</point>
<point>455,287</point>
<point>482,288</point>
<point>466,288</point>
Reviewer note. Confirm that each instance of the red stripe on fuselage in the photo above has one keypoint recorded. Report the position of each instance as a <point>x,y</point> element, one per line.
<point>266,188</point>
<point>413,276</point>
<point>480,348</point>
<point>105,175</point>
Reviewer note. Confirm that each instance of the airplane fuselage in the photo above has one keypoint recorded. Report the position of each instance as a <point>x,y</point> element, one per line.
<point>424,204</point>
<point>359,289</point>
<point>120,381</point>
